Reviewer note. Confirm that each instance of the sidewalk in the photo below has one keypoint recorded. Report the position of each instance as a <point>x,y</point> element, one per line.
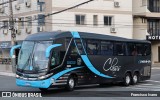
<point>7,74</point>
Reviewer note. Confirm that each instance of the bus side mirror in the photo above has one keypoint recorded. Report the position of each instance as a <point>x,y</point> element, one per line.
<point>13,49</point>
<point>48,50</point>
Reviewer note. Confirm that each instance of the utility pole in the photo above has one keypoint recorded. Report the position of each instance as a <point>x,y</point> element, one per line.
<point>13,35</point>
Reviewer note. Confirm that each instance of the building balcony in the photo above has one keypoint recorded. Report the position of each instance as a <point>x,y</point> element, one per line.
<point>146,8</point>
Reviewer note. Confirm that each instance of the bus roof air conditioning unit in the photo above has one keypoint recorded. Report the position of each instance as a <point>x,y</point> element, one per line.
<point>28,4</point>
<point>1,10</point>
<point>18,32</point>
<point>17,7</point>
<point>5,31</point>
<point>113,30</point>
<point>28,30</point>
<point>116,4</point>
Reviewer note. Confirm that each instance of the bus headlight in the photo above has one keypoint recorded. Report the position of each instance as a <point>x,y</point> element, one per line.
<point>17,76</point>
<point>44,76</point>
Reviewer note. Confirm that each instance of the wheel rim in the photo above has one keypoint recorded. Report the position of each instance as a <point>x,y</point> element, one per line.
<point>128,79</point>
<point>71,83</point>
<point>135,78</point>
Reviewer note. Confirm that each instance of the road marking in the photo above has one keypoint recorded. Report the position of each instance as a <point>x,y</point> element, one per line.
<point>7,74</point>
<point>156,68</point>
<point>153,81</point>
<point>138,88</point>
<point>158,86</point>
<point>155,75</point>
<point>146,84</point>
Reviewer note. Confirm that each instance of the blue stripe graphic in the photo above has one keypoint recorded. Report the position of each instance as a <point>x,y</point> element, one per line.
<point>48,50</point>
<point>92,68</point>
<point>86,59</point>
<point>44,83</point>
<point>75,34</point>
<point>56,76</point>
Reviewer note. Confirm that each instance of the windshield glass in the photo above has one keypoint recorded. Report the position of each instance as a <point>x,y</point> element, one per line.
<point>39,58</point>
<point>25,54</point>
<point>33,54</point>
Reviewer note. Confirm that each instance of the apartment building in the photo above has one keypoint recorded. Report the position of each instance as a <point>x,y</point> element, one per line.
<point>111,17</point>
<point>28,19</point>
<point>146,21</point>
<point>138,19</point>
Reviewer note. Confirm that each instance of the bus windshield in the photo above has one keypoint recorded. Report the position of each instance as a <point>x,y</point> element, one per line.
<point>33,54</point>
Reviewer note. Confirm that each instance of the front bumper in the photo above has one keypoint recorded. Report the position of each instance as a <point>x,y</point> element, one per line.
<point>37,84</point>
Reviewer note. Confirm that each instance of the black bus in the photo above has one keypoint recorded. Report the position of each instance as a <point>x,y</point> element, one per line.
<point>67,59</point>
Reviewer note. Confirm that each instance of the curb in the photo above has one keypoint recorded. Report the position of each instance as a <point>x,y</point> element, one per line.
<point>7,74</point>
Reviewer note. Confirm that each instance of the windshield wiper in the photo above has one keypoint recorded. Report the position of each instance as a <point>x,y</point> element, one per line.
<point>27,63</point>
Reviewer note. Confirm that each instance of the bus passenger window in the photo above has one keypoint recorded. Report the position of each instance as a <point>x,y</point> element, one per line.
<point>131,50</point>
<point>139,49</point>
<point>119,49</point>
<point>147,50</point>
<point>72,49</point>
<point>106,48</point>
<point>134,52</point>
<point>92,47</point>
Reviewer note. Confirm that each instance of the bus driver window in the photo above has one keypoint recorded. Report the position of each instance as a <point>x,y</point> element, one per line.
<point>55,59</point>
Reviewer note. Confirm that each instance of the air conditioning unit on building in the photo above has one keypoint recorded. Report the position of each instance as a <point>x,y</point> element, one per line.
<point>41,28</point>
<point>5,31</point>
<point>113,30</point>
<point>17,7</point>
<point>28,4</point>
<point>28,30</point>
<point>116,4</point>
<point>18,32</point>
<point>1,10</point>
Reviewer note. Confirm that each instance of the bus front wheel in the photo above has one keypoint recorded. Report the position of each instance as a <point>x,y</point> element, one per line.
<point>70,83</point>
<point>127,79</point>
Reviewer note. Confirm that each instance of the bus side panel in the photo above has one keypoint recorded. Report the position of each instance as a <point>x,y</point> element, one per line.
<point>143,64</point>
<point>114,66</point>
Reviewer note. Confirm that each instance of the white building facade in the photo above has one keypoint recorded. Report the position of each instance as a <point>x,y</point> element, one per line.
<point>146,21</point>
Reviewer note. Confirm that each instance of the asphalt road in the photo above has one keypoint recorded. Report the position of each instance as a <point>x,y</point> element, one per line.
<point>114,91</point>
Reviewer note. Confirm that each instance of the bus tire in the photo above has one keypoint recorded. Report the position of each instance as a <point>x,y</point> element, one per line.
<point>43,89</point>
<point>127,79</point>
<point>135,79</point>
<point>71,82</point>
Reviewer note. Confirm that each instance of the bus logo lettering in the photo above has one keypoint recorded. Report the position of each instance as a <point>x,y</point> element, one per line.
<point>113,65</point>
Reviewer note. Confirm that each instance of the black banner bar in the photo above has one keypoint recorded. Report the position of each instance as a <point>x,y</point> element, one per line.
<point>80,94</point>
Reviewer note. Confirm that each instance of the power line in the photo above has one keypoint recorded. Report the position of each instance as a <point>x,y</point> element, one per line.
<point>83,3</point>
<point>7,2</point>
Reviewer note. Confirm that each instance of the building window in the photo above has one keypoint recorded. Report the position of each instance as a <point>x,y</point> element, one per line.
<point>21,22</point>
<point>41,19</point>
<point>80,19</point>
<point>108,20</point>
<point>29,21</point>
<point>95,20</point>
<point>5,24</point>
<point>154,27</point>
<point>143,20</point>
